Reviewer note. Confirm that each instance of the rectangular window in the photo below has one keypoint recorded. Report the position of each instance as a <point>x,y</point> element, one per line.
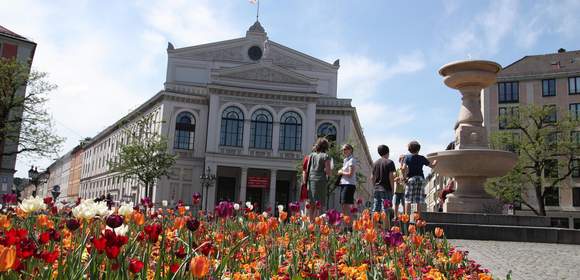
<point>551,168</point>
<point>575,111</point>
<point>552,196</point>
<point>549,87</point>
<point>576,197</point>
<point>574,85</point>
<point>9,50</point>
<point>505,115</point>
<point>576,168</point>
<point>552,113</point>
<point>552,141</point>
<point>508,92</point>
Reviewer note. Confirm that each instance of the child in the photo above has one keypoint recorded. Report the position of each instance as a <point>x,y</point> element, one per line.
<point>413,168</point>
<point>400,186</point>
<point>383,175</point>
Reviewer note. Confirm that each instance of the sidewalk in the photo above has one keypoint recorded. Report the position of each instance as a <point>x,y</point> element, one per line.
<point>525,260</point>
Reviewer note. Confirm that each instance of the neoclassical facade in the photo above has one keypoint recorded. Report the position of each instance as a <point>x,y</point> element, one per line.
<point>247,110</point>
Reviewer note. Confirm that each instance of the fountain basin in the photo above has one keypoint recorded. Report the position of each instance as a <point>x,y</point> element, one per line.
<point>469,73</point>
<point>473,162</point>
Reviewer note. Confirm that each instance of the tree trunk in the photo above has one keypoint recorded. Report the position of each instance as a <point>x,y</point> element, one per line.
<point>540,200</point>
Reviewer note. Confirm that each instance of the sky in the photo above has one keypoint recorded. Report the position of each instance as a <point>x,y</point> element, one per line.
<point>108,57</point>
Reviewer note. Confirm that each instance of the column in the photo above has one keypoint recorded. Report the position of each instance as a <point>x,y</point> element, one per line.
<point>212,190</point>
<point>272,194</point>
<point>309,129</point>
<point>275,138</point>
<point>213,127</point>
<point>243,184</point>
<point>246,137</point>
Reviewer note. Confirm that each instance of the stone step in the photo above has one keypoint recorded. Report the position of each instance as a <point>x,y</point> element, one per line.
<point>508,233</point>
<point>486,219</point>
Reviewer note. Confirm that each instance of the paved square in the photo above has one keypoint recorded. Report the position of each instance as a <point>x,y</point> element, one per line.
<point>525,260</point>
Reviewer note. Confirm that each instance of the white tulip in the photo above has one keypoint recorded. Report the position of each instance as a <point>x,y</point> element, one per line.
<point>126,209</point>
<point>280,208</point>
<point>236,206</point>
<point>32,204</point>
<point>249,205</point>
<point>265,214</point>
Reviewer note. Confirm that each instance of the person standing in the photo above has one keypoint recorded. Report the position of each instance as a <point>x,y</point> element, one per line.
<point>413,168</point>
<point>318,176</point>
<point>400,186</point>
<point>383,177</point>
<point>347,179</point>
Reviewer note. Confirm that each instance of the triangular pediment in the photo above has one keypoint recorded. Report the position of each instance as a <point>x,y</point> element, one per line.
<point>264,72</point>
<point>264,75</point>
<point>230,50</point>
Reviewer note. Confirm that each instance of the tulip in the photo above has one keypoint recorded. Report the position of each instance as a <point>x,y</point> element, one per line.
<point>294,207</point>
<point>199,266</point>
<point>196,198</point>
<point>438,232</point>
<point>192,224</point>
<point>114,221</point>
<point>72,224</point>
<point>135,265</point>
<point>456,257</point>
<point>7,257</point>
<point>333,217</point>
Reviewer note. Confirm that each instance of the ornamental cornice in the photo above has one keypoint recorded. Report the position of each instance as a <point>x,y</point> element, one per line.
<point>185,99</point>
<point>263,94</point>
<point>186,89</point>
<point>334,111</point>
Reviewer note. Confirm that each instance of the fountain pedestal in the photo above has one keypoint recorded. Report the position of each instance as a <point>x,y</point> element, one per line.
<point>472,162</point>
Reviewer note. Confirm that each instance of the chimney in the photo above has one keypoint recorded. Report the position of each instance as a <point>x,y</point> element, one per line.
<point>561,50</point>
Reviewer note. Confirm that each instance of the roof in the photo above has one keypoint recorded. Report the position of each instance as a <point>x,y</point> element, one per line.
<point>5,31</point>
<point>553,63</point>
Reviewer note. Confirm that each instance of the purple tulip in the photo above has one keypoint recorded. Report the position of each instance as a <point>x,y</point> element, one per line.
<point>196,198</point>
<point>393,238</point>
<point>72,224</point>
<point>353,210</point>
<point>224,209</point>
<point>192,224</point>
<point>333,217</point>
<point>387,203</point>
<point>146,202</point>
<point>9,198</point>
<point>294,207</point>
<point>114,221</point>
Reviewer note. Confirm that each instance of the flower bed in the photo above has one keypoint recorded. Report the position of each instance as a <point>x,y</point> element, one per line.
<point>39,240</point>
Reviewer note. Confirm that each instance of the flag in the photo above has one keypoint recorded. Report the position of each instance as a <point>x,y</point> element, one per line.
<point>253,1</point>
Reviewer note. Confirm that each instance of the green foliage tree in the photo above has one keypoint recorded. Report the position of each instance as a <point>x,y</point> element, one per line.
<point>23,116</point>
<point>145,156</point>
<point>548,149</point>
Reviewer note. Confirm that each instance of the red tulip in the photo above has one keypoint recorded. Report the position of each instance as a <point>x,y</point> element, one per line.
<point>114,221</point>
<point>112,252</point>
<point>44,238</point>
<point>100,244</point>
<point>135,265</point>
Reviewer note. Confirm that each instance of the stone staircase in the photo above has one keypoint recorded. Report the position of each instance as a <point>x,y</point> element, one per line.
<point>500,227</point>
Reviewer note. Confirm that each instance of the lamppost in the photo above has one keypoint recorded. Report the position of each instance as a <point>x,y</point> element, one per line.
<point>35,178</point>
<point>55,192</point>
<point>207,180</point>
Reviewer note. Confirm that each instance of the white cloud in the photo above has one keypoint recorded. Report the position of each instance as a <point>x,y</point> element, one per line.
<point>359,76</point>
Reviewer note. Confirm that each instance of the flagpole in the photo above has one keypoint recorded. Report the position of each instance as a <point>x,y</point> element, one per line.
<point>258,9</point>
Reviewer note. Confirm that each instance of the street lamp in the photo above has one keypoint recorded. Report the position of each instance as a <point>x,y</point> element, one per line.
<point>36,178</point>
<point>207,180</point>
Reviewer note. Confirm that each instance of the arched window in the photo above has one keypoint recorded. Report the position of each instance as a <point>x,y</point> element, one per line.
<point>261,130</point>
<point>232,130</point>
<point>290,132</point>
<point>328,131</point>
<point>184,131</point>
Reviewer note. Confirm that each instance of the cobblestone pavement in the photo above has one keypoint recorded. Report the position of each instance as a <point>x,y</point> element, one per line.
<point>525,260</point>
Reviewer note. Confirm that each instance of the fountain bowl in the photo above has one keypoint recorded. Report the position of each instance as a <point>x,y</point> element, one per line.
<point>469,73</point>
<point>473,162</point>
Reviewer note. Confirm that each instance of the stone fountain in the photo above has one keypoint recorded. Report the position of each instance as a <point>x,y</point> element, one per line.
<point>472,161</point>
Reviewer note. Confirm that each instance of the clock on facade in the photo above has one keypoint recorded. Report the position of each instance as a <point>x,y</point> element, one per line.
<point>255,53</point>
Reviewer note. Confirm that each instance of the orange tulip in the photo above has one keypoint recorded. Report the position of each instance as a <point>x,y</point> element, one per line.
<point>456,257</point>
<point>404,218</point>
<point>311,227</point>
<point>417,240</point>
<point>181,210</point>
<point>370,235</point>
<point>376,217</point>
<point>283,215</point>
<point>138,218</point>
<point>395,229</point>
<point>5,221</point>
<point>346,219</point>
<point>412,229</point>
<point>199,266</point>
<point>7,257</point>
<point>179,223</point>
<point>438,232</point>
<point>421,223</point>
<point>262,228</point>
<point>42,220</point>
<point>416,216</point>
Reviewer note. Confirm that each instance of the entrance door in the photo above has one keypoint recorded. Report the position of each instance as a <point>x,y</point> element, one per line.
<point>282,194</point>
<point>254,195</point>
<point>226,189</point>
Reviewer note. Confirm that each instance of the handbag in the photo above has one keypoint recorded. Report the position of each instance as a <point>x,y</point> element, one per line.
<point>304,186</point>
<point>337,182</point>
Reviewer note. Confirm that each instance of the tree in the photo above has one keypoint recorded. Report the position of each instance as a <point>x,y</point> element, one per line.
<point>145,156</point>
<point>23,116</point>
<point>548,149</point>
